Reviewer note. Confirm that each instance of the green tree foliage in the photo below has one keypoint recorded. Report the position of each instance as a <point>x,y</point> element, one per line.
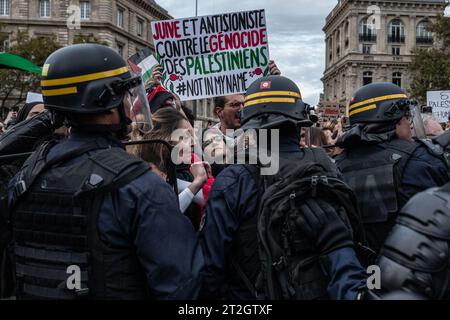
<point>430,68</point>
<point>81,38</point>
<point>15,83</point>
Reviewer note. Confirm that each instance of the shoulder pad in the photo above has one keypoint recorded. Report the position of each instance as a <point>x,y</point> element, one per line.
<point>428,213</point>
<point>415,250</point>
<point>443,140</point>
<point>433,148</point>
<point>405,146</point>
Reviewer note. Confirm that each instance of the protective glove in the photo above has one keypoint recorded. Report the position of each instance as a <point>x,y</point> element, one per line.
<point>323,225</point>
<point>23,136</point>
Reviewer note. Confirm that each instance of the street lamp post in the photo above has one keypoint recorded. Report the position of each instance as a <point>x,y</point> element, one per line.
<point>195,101</point>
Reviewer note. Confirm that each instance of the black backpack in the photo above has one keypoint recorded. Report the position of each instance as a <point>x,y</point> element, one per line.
<point>291,267</point>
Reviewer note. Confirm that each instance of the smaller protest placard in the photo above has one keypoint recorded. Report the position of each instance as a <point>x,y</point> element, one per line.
<point>439,101</point>
<point>143,62</point>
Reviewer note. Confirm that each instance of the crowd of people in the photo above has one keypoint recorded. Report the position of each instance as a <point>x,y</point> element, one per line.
<point>94,176</point>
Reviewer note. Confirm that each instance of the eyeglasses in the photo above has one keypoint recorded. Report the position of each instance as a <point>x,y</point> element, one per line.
<point>235,105</point>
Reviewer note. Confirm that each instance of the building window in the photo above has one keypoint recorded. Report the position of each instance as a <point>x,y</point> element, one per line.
<point>140,27</point>
<point>397,78</point>
<point>395,51</point>
<point>335,88</point>
<point>4,7</point>
<point>120,14</point>
<point>367,31</point>
<point>330,48</point>
<point>367,77</point>
<point>346,35</point>
<point>44,8</point>
<point>120,49</point>
<point>367,48</point>
<point>343,84</point>
<point>396,31</point>
<point>423,36</point>
<point>85,9</point>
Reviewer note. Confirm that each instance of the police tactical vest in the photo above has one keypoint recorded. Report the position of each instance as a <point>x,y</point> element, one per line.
<point>283,263</point>
<point>57,249</point>
<point>374,172</point>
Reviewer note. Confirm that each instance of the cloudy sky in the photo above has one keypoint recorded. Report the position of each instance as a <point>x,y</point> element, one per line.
<point>296,40</point>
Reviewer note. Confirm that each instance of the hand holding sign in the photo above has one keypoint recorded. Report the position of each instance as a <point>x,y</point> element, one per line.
<point>157,75</point>
<point>273,69</point>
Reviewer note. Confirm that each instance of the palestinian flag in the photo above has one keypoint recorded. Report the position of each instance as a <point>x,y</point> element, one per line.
<point>143,62</point>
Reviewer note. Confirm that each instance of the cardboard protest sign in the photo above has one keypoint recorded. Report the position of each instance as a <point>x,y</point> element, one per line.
<point>440,102</point>
<point>213,55</point>
<point>143,62</point>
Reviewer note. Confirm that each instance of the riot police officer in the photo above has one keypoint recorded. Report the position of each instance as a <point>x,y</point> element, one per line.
<point>87,209</point>
<point>416,255</point>
<point>233,223</point>
<point>381,162</point>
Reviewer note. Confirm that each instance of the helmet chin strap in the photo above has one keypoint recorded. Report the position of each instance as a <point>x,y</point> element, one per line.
<point>122,132</point>
<point>120,129</point>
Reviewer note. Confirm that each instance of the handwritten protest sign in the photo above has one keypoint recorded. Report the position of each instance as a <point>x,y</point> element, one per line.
<point>440,102</point>
<point>212,55</point>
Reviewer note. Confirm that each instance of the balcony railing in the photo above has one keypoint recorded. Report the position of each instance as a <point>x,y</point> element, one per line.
<point>396,39</point>
<point>424,40</point>
<point>367,37</point>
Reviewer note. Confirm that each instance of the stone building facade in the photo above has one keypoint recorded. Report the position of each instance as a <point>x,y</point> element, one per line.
<point>121,24</point>
<point>372,41</point>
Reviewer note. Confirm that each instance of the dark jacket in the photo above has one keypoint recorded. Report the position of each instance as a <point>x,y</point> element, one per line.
<point>233,200</point>
<point>165,242</point>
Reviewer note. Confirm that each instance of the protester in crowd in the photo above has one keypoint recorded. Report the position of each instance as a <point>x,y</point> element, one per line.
<point>193,178</point>
<point>317,137</point>
<point>220,137</point>
<point>111,215</point>
<point>312,137</point>
<point>332,130</point>
<point>227,108</point>
<point>10,119</point>
<point>415,255</point>
<point>432,127</point>
<point>159,97</point>
<point>381,162</point>
<point>329,128</point>
<point>244,219</point>
<point>29,110</point>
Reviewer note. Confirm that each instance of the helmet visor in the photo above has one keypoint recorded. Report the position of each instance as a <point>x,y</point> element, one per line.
<point>140,113</point>
<point>412,112</point>
<point>417,126</point>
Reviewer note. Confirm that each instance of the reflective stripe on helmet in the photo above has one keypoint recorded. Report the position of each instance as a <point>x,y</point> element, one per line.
<point>269,100</point>
<point>378,99</point>
<point>84,78</point>
<point>273,93</point>
<point>372,106</point>
<point>59,92</point>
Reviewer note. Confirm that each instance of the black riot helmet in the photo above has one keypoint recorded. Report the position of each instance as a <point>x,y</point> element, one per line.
<point>273,102</point>
<point>90,79</point>
<point>378,102</point>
